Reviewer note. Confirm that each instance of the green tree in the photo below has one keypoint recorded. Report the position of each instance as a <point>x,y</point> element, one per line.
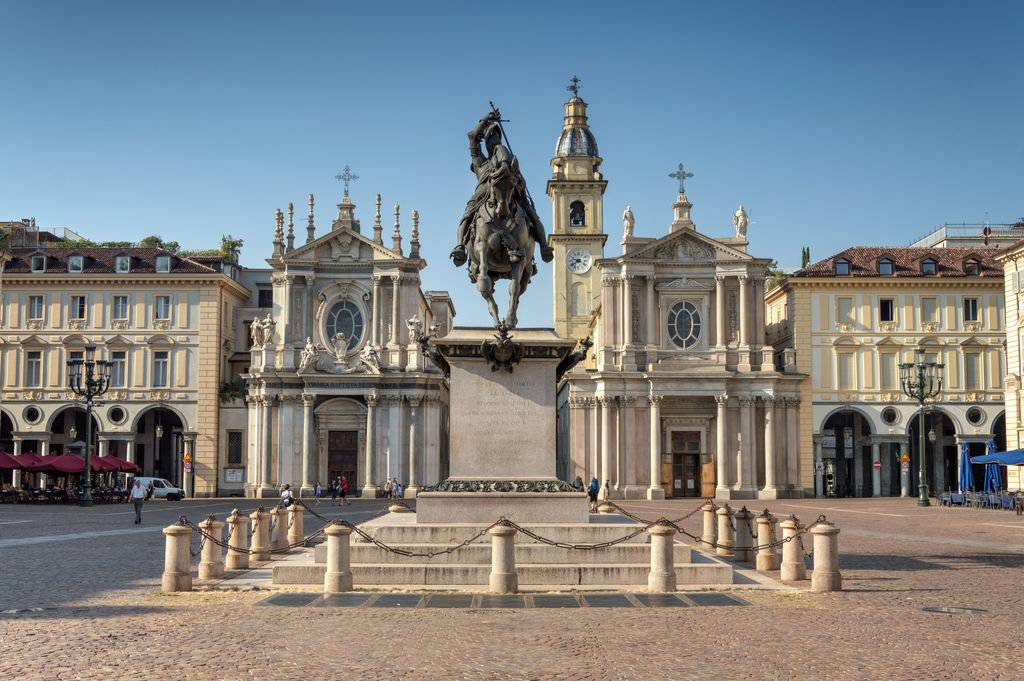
<point>805,256</point>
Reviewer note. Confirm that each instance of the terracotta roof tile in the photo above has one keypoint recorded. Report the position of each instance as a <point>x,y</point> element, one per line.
<point>906,261</point>
<point>101,261</point>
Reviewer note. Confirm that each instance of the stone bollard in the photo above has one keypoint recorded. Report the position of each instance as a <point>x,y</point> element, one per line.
<point>826,575</point>
<point>260,547</point>
<point>177,574</point>
<point>793,568</point>
<point>279,531</point>
<point>662,577</point>
<point>767,557</point>
<point>238,554</point>
<point>708,537</point>
<point>744,551</point>
<point>503,560</point>
<point>211,562</point>
<point>725,532</point>
<point>295,532</point>
<point>338,577</point>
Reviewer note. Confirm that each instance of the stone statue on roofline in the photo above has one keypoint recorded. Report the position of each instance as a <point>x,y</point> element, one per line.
<point>740,222</point>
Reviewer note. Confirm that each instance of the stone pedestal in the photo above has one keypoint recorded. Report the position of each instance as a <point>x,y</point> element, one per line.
<point>338,576</point>
<point>826,576</point>
<point>502,424</point>
<point>260,547</point>
<point>767,557</point>
<point>177,575</point>
<point>211,562</point>
<point>296,531</point>
<point>726,541</point>
<point>793,568</point>
<point>238,553</point>
<point>708,536</point>
<point>279,523</point>
<point>663,574</point>
<point>744,548</point>
<point>503,578</point>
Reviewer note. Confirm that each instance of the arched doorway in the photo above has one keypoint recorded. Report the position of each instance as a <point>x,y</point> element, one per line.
<point>941,452</point>
<point>68,432</point>
<point>159,444</point>
<point>341,425</point>
<point>846,455</point>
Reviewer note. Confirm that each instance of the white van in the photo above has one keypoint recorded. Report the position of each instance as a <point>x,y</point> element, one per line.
<point>162,489</point>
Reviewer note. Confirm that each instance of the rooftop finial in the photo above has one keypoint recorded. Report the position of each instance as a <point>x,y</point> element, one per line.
<point>278,233</point>
<point>378,230</point>
<point>574,86</point>
<point>414,242</point>
<point>310,229</point>
<point>396,238</point>
<point>681,175</point>
<point>346,177</point>
<point>291,226</point>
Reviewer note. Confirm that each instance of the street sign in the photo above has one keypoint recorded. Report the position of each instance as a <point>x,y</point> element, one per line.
<point>905,465</point>
<point>876,465</point>
<point>819,466</point>
<point>188,466</point>
<point>905,458</point>
<point>187,459</point>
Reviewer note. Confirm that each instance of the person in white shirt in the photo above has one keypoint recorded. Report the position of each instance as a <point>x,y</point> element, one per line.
<point>287,498</point>
<point>138,496</point>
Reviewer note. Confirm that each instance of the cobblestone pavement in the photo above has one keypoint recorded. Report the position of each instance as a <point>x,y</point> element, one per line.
<point>100,575</point>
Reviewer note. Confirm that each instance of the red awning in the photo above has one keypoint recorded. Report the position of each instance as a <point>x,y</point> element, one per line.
<point>8,462</point>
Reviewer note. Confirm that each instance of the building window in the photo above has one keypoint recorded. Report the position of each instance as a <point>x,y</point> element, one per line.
<point>577,214</point>
<point>163,263</point>
<point>970,309</point>
<point>118,368</point>
<point>972,370</point>
<point>75,263</point>
<point>162,307</point>
<point>160,362</point>
<point>928,266</point>
<point>929,309</point>
<point>887,370</point>
<point>890,415</point>
<point>76,309</point>
<point>684,324</point>
<point>842,267</point>
<point>35,307</point>
<point>122,263</point>
<point>846,371</point>
<point>265,297</point>
<point>975,416</point>
<point>972,268</point>
<point>33,369</point>
<point>234,448</point>
<point>116,415</point>
<point>38,263</point>
<point>887,310</point>
<point>885,267</point>
<point>345,317</point>
<point>844,310</point>
<point>121,307</point>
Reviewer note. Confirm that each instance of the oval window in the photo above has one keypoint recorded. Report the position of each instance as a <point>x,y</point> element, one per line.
<point>684,324</point>
<point>345,317</point>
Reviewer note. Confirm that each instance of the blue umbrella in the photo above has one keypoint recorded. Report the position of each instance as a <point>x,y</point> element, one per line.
<point>991,470</point>
<point>966,473</point>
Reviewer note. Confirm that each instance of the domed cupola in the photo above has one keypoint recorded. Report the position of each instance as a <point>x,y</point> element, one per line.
<point>576,138</point>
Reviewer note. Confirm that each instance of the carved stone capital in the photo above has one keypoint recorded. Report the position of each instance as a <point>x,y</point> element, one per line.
<point>308,400</point>
<point>628,401</point>
<point>372,399</point>
<point>747,400</point>
<point>655,400</point>
<point>769,401</point>
<point>744,279</point>
<point>720,279</point>
<point>414,400</point>
<point>722,399</point>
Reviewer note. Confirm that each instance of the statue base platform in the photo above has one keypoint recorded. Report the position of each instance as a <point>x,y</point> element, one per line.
<point>486,507</point>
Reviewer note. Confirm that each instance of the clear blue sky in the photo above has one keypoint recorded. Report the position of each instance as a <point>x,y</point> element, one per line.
<point>836,124</point>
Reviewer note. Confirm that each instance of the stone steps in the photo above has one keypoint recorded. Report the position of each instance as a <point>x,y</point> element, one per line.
<point>446,535</point>
<point>480,554</point>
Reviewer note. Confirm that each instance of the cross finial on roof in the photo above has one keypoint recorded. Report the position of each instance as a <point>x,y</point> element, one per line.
<point>573,86</point>
<point>681,175</point>
<point>346,177</point>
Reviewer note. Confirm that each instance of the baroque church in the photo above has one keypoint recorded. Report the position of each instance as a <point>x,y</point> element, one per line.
<point>682,396</point>
<point>337,386</point>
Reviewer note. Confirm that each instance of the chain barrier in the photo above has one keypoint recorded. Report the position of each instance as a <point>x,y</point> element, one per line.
<point>505,522</point>
<point>413,554</point>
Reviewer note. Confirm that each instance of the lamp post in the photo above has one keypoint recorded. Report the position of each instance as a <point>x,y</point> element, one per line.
<point>921,381</point>
<point>88,378</point>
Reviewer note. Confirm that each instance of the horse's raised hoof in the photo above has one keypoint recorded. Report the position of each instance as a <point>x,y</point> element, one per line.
<point>547,254</point>
<point>510,321</point>
<point>458,255</point>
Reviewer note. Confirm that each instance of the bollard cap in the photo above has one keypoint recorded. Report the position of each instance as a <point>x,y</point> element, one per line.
<point>177,529</point>
<point>824,527</point>
<point>337,530</point>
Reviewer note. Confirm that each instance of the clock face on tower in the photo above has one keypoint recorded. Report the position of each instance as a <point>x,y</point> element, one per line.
<point>578,260</point>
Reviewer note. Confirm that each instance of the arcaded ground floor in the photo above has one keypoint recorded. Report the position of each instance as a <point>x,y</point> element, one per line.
<point>96,575</point>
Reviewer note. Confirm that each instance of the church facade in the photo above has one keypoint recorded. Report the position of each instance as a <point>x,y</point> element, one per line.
<point>337,387</point>
<point>682,396</point>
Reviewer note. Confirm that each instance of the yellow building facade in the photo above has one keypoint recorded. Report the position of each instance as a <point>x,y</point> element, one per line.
<point>1012,260</point>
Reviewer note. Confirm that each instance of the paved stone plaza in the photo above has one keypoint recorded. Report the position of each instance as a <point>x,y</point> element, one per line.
<point>96,575</point>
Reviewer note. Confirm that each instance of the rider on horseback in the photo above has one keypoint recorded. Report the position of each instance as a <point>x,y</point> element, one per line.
<point>499,160</point>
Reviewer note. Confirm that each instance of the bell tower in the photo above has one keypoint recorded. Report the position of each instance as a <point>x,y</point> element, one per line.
<point>577,236</point>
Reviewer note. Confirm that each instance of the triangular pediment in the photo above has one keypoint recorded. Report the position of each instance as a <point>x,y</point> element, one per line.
<point>117,340</point>
<point>889,341</point>
<point>340,245</point>
<point>686,246</point>
<point>33,340</point>
<point>973,341</point>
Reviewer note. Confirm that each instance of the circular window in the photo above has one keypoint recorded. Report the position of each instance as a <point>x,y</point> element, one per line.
<point>890,415</point>
<point>32,414</point>
<point>345,317</point>
<point>116,414</point>
<point>684,324</point>
<point>975,415</point>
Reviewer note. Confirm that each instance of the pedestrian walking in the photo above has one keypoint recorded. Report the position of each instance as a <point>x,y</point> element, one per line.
<point>138,496</point>
<point>287,498</point>
<point>592,490</point>
<point>343,491</point>
<point>332,486</point>
<point>388,489</point>
<point>316,493</point>
<point>397,490</point>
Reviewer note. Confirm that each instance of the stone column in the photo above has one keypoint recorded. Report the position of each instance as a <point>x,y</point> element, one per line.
<point>413,485</point>
<point>708,536</point>
<point>655,491</point>
<point>876,473</point>
<point>307,309</point>
<point>722,445</point>
<point>793,568</point>
<point>266,433</point>
<point>177,574</point>
<point>286,313</point>
<point>377,321</point>
<point>503,578</point>
<point>396,311</point>
<point>627,309</point>
<point>606,441</point>
<point>826,576</point>
<point>721,316</point>
<point>238,554</point>
<point>744,479</point>
<point>793,445</point>
<point>744,310</point>
<point>260,547</point>
<point>744,537</point>
<point>767,558</point>
<point>726,542</point>
<point>771,490</point>
<point>307,446</point>
<point>338,577</point>
<point>296,533</point>
<point>16,474</point>
<point>279,525</point>
<point>757,299</point>
<point>662,576</point>
<point>211,561</point>
<point>652,313</point>
<point>369,488</point>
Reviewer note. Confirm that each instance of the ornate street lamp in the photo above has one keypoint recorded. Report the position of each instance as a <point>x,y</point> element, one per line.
<point>88,378</point>
<point>921,381</point>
